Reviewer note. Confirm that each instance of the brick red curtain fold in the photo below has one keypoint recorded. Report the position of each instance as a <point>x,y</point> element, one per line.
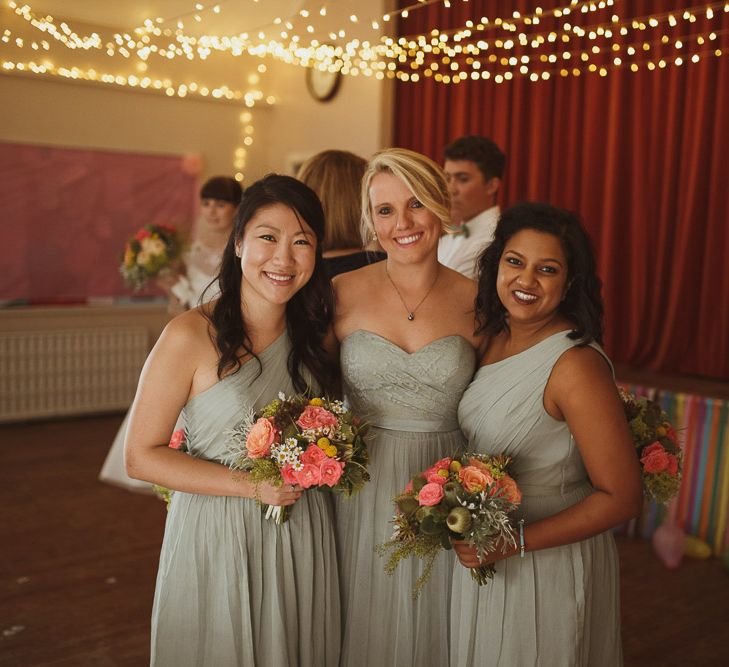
<point>642,156</point>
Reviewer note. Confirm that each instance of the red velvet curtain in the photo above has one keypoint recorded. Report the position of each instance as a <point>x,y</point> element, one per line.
<point>642,157</point>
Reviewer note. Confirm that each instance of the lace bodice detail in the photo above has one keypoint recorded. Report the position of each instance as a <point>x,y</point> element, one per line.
<point>393,389</point>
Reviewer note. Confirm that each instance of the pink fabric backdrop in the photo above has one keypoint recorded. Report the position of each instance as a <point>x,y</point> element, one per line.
<point>66,214</point>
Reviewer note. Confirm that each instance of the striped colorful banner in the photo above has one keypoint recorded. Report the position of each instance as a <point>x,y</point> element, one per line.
<point>702,505</point>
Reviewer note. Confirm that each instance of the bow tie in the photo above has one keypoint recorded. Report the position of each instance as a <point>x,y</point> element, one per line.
<point>462,231</point>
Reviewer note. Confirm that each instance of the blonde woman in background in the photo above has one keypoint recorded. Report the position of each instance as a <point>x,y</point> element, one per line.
<point>219,200</point>
<point>406,329</point>
<point>336,176</point>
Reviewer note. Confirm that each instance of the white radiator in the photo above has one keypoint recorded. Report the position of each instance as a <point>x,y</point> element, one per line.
<point>69,372</point>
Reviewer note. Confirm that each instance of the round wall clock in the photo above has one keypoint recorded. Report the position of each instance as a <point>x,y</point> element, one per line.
<point>322,85</point>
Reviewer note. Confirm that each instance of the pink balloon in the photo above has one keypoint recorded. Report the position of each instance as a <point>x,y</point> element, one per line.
<point>191,164</point>
<point>668,543</point>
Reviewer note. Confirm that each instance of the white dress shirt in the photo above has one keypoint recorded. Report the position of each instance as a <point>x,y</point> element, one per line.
<point>460,251</point>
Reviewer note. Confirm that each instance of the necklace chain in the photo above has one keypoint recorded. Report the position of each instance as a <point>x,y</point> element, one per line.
<point>411,313</point>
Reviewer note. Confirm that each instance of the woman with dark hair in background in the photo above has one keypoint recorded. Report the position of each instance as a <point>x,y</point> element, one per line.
<point>219,199</point>
<point>234,588</point>
<point>544,394</point>
<point>336,176</point>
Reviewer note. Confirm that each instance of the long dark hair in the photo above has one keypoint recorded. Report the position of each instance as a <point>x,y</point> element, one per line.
<point>582,303</point>
<point>309,312</point>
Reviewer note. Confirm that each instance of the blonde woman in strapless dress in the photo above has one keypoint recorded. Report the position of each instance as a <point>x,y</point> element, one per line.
<point>405,326</point>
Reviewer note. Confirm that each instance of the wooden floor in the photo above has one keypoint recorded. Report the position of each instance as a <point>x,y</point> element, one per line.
<point>78,562</point>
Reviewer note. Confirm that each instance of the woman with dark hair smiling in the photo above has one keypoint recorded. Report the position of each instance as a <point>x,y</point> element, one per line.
<point>234,588</point>
<point>544,394</point>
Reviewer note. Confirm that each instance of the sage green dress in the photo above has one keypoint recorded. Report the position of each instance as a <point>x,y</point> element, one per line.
<point>234,588</point>
<point>556,606</point>
<point>410,401</point>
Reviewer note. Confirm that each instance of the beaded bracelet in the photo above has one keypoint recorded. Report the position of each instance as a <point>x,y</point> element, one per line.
<point>522,546</point>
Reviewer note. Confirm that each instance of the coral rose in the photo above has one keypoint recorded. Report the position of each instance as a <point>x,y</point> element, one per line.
<point>315,418</point>
<point>654,458</point>
<point>177,439</point>
<point>288,474</point>
<point>473,479</point>
<point>672,468</point>
<point>308,476</point>
<point>431,494</point>
<point>330,471</point>
<point>313,455</point>
<point>509,489</point>
<point>260,438</point>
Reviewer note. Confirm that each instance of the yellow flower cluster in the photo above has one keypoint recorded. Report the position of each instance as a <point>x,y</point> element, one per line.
<point>326,446</point>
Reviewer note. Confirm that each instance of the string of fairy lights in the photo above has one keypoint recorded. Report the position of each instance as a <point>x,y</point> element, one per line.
<point>500,49</point>
<point>574,38</point>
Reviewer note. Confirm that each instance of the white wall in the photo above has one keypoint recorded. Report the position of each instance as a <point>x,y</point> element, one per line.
<point>38,111</point>
<point>357,119</point>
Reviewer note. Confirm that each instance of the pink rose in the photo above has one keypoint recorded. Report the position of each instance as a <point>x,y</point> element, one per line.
<point>313,454</point>
<point>509,489</point>
<point>260,438</point>
<point>308,476</point>
<point>314,418</point>
<point>654,458</point>
<point>288,474</point>
<point>474,479</point>
<point>409,487</point>
<point>330,471</point>
<point>430,494</point>
<point>177,439</point>
<point>672,464</point>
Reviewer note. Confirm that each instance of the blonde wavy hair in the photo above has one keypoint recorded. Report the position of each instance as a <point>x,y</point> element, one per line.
<point>423,177</point>
<point>336,177</point>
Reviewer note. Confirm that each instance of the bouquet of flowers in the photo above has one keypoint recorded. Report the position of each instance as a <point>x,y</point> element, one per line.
<point>151,250</point>
<point>310,442</point>
<point>656,444</point>
<point>177,441</point>
<point>466,497</point>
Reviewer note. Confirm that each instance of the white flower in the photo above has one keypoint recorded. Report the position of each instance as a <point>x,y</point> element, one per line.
<point>153,246</point>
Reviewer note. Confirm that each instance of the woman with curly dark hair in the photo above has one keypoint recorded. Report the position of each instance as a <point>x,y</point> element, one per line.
<point>234,588</point>
<point>544,394</point>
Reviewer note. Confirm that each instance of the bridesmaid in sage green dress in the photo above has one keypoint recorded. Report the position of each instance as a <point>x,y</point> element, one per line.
<point>545,395</point>
<point>407,353</point>
<point>233,588</point>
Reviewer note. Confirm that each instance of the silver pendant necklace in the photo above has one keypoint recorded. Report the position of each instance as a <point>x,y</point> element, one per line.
<point>411,313</point>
